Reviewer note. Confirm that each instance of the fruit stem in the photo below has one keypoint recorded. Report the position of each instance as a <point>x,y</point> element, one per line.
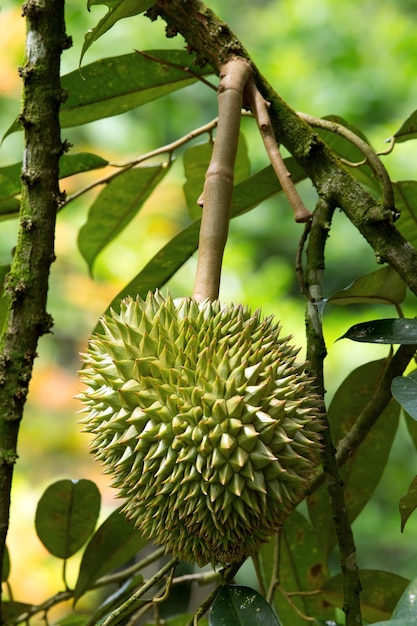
<point>218,186</point>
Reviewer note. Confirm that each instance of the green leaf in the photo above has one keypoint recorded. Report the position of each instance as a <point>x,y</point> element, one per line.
<point>71,164</point>
<point>406,608</point>
<point>196,161</point>
<point>115,85</point>
<point>408,503</point>
<point>404,390</point>
<point>66,516</point>
<point>5,572</point>
<point>236,605</point>
<point>73,619</point>
<point>405,193</point>
<point>362,472</point>
<point>386,331</point>
<point>10,611</point>
<point>383,286</point>
<point>111,546</point>
<point>408,130</point>
<point>246,196</point>
<point>116,206</point>
<point>302,567</point>
<point>380,593</point>
<point>347,150</point>
<point>9,209</point>
<point>118,10</point>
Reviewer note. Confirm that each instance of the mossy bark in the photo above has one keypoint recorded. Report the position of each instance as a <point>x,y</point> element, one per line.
<point>27,284</point>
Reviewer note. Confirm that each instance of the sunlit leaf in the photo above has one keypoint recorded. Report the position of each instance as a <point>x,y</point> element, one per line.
<point>382,286</point>
<point>408,504</point>
<point>114,85</point>
<point>118,10</point>
<point>175,253</point>
<point>112,545</point>
<point>116,206</point>
<point>347,150</point>
<point>71,164</point>
<point>66,516</point>
<point>302,567</point>
<point>362,472</point>
<point>406,608</point>
<point>404,390</point>
<point>408,130</point>
<point>385,331</point>
<point>237,605</point>
<point>405,193</point>
<point>196,160</point>
<point>380,593</point>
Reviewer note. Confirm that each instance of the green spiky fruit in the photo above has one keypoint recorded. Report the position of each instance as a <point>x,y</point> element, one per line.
<point>204,420</point>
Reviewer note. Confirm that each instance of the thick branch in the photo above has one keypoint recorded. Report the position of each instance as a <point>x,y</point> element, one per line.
<point>216,43</point>
<point>218,187</point>
<point>27,283</point>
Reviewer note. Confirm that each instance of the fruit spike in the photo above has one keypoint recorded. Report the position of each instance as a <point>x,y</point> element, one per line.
<point>203,419</point>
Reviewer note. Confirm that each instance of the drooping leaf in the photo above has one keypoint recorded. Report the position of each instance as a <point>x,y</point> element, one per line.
<point>114,543</point>
<point>66,516</point>
<point>302,567</point>
<point>406,608</point>
<point>408,504</point>
<point>118,84</point>
<point>405,193</point>
<point>196,160</point>
<point>116,206</point>
<point>386,331</point>
<point>246,196</point>
<point>408,130</point>
<point>118,10</point>
<point>237,605</point>
<point>382,286</point>
<point>347,150</point>
<point>5,572</point>
<point>380,593</point>
<point>362,472</point>
<point>404,390</point>
<point>69,164</point>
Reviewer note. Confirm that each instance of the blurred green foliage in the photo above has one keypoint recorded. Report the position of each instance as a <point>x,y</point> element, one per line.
<point>356,60</point>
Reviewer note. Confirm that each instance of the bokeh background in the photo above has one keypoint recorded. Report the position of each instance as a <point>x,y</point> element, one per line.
<point>354,59</point>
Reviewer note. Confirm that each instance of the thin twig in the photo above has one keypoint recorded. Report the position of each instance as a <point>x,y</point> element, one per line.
<point>167,149</point>
<point>184,68</point>
<point>371,156</point>
<point>259,108</point>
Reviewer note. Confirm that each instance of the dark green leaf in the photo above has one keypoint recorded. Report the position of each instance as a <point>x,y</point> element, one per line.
<point>10,180</point>
<point>71,164</point>
<point>347,150</point>
<point>383,286</point>
<point>196,161</point>
<point>241,606</point>
<point>386,331</point>
<point>406,608</point>
<point>66,516</point>
<point>381,592</point>
<point>9,209</point>
<point>5,572</point>
<point>10,611</point>
<point>118,10</point>
<point>112,545</point>
<point>408,503</point>
<point>404,390</point>
<point>175,253</point>
<point>408,130</point>
<point>405,193</point>
<point>362,472</point>
<point>73,619</point>
<point>116,206</point>
<point>302,567</point>
<point>118,84</point>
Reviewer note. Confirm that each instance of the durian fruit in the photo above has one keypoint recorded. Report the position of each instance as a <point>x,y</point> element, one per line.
<point>204,420</point>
